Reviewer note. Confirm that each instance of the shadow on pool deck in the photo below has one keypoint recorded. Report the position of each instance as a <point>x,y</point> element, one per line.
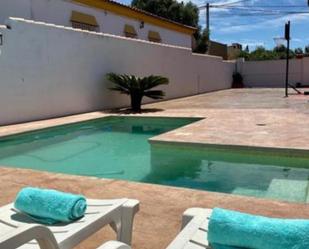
<point>129,111</point>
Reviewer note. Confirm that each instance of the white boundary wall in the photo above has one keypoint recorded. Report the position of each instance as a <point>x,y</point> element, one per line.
<point>48,71</point>
<point>59,12</point>
<point>272,73</point>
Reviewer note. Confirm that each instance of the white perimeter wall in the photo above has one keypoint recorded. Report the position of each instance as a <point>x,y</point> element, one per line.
<point>272,73</point>
<point>48,71</point>
<point>59,12</point>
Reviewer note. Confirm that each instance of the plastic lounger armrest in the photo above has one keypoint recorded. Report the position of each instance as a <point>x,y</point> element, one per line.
<point>24,234</point>
<point>189,214</point>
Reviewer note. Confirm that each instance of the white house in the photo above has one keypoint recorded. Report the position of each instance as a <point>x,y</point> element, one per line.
<point>102,16</point>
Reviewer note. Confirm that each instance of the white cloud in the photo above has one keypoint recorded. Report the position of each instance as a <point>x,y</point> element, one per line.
<point>264,24</point>
<point>226,24</point>
<point>244,42</point>
<point>251,44</point>
<point>250,22</point>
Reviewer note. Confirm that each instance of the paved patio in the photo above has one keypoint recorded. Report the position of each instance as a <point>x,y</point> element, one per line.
<point>242,117</point>
<point>245,117</point>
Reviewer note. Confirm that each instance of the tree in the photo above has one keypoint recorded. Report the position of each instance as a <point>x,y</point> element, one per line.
<point>247,49</point>
<point>185,13</point>
<point>137,87</point>
<point>261,53</point>
<point>245,55</point>
<point>307,49</point>
<point>201,41</point>
<point>280,49</point>
<point>190,15</point>
<point>298,51</point>
<point>279,52</point>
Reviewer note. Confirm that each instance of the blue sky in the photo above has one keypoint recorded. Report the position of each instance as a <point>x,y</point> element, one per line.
<point>254,29</point>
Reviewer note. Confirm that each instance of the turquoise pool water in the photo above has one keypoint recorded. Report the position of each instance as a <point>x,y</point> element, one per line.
<point>118,147</point>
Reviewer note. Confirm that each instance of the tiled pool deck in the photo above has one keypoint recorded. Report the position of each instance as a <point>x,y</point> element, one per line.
<point>246,117</point>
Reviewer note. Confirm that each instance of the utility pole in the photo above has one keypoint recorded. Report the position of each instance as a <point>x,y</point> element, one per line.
<point>288,38</point>
<point>207,17</point>
<point>207,8</point>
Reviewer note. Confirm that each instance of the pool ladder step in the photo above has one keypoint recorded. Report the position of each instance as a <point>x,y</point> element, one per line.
<point>307,194</point>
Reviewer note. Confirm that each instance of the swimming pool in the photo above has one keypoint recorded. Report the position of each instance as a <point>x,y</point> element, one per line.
<point>118,147</point>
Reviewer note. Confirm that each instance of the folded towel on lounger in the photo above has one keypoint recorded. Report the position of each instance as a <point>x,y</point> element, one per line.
<point>235,230</point>
<point>49,206</point>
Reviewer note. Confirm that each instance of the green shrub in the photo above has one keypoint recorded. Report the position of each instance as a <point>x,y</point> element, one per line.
<point>137,87</point>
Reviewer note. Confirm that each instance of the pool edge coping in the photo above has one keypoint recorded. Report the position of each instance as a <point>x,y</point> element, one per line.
<point>80,118</point>
<point>260,149</point>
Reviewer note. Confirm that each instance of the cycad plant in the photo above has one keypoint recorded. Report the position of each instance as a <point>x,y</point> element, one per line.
<point>138,87</point>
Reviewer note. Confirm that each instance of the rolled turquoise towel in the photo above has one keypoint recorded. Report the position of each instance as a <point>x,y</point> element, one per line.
<point>219,246</point>
<point>233,230</point>
<point>49,206</point>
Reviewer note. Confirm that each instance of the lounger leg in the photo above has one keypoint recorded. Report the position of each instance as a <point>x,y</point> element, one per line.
<point>129,209</point>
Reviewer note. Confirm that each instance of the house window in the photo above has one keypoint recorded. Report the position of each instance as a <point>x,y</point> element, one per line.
<point>129,31</point>
<point>154,36</point>
<point>83,21</point>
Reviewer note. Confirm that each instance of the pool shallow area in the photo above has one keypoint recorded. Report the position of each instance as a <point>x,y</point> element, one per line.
<point>118,147</point>
<point>247,173</point>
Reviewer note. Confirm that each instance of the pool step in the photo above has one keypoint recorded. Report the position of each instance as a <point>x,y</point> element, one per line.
<point>287,189</point>
<point>248,192</point>
<point>307,195</point>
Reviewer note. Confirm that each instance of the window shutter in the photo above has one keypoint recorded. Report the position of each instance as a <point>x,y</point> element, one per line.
<point>154,36</point>
<point>130,31</point>
<point>84,21</point>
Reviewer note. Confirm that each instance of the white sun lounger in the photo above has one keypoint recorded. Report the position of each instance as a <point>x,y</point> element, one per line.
<point>17,230</point>
<point>114,245</point>
<point>193,234</point>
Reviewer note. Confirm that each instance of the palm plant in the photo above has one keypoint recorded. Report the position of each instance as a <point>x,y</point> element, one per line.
<point>137,87</point>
